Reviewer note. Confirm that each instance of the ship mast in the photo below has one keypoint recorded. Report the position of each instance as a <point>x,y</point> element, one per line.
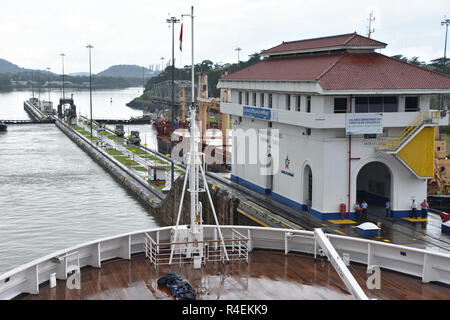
<point>194,168</point>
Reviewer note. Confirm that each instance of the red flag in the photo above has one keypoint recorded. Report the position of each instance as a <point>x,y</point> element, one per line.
<point>181,37</point>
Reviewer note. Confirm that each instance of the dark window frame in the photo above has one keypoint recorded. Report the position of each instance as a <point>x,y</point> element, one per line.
<point>340,107</point>
<point>298,106</point>
<point>308,104</point>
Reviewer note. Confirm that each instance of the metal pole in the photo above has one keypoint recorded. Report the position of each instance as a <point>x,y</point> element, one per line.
<point>173,102</point>
<point>39,85</point>
<point>48,83</point>
<point>90,83</point>
<point>173,20</point>
<point>446,22</point>
<point>62,56</point>
<point>32,79</point>
<point>192,36</point>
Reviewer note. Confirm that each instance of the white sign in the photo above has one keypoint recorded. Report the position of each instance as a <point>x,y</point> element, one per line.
<point>360,123</point>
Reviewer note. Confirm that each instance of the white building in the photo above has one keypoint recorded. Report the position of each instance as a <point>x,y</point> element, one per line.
<point>309,90</point>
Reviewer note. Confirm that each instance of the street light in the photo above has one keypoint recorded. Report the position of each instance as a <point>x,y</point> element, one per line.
<point>90,83</point>
<point>238,49</point>
<point>445,23</point>
<point>48,82</point>
<point>62,57</point>
<point>173,20</point>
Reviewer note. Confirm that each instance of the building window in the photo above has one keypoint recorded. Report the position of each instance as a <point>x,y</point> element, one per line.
<point>376,104</point>
<point>270,100</point>
<point>308,104</point>
<point>340,105</point>
<point>298,103</point>
<point>308,131</point>
<point>390,104</point>
<point>370,136</point>
<point>247,94</point>
<point>361,105</point>
<point>262,100</point>
<point>240,97</point>
<point>288,102</point>
<point>254,98</point>
<point>411,104</point>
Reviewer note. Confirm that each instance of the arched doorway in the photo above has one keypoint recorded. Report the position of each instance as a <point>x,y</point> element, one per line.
<point>374,185</point>
<point>307,187</point>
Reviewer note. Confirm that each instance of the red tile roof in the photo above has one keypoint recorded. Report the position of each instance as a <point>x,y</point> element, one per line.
<point>344,41</point>
<point>368,71</point>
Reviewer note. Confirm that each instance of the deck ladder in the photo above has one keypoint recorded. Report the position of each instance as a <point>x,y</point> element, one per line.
<point>339,265</point>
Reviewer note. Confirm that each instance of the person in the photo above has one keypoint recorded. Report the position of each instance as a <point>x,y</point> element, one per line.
<point>388,208</point>
<point>414,209</point>
<point>424,206</point>
<point>364,207</point>
<point>358,210</point>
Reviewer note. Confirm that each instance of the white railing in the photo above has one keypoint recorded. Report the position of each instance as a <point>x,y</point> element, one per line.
<point>158,253</point>
<point>425,264</point>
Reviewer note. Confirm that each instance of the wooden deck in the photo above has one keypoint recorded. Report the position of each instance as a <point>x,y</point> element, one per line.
<point>268,276</point>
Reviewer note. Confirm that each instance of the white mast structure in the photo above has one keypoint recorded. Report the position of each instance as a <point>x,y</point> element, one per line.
<point>195,248</point>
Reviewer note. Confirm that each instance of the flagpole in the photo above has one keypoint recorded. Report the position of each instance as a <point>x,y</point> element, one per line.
<point>192,53</point>
<point>192,37</point>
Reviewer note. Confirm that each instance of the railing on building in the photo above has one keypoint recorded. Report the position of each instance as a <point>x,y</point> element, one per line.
<point>393,144</point>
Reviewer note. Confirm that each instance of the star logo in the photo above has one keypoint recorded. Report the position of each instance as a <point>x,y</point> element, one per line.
<point>287,162</point>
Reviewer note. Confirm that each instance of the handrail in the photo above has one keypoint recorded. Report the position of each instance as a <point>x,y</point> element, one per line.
<point>392,144</point>
<point>430,265</point>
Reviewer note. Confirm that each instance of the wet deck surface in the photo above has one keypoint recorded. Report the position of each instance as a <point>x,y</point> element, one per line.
<point>268,276</point>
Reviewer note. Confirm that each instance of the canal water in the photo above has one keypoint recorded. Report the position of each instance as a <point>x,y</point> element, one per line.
<point>52,194</point>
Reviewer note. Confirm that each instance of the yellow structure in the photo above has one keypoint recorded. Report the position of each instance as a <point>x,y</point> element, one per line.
<point>418,153</point>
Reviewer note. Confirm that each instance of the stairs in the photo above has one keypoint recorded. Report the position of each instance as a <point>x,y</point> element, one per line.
<point>394,145</point>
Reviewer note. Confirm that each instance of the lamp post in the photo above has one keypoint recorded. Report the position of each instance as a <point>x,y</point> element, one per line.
<point>173,20</point>
<point>90,83</point>
<point>192,52</point>
<point>238,49</point>
<point>445,23</point>
<point>48,83</point>
<point>162,64</point>
<point>62,57</point>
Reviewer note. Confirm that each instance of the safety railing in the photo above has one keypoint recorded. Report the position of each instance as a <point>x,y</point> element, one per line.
<point>237,249</point>
<point>426,265</point>
<point>393,144</point>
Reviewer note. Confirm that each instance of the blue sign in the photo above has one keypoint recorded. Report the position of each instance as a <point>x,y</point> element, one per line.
<point>257,113</point>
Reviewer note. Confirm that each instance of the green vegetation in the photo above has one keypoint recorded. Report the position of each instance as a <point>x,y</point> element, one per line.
<point>137,150</point>
<point>114,137</point>
<point>143,169</point>
<point>114,152</point>
<point>5,83</point>
<point>126,161</point>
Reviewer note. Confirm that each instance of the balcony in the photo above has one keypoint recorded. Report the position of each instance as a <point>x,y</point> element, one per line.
<point>318,121</point>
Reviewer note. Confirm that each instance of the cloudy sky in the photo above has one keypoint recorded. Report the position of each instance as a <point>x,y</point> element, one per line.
<point>34,33</point>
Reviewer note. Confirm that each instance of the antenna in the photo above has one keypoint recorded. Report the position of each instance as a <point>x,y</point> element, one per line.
<point>369,28</point>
